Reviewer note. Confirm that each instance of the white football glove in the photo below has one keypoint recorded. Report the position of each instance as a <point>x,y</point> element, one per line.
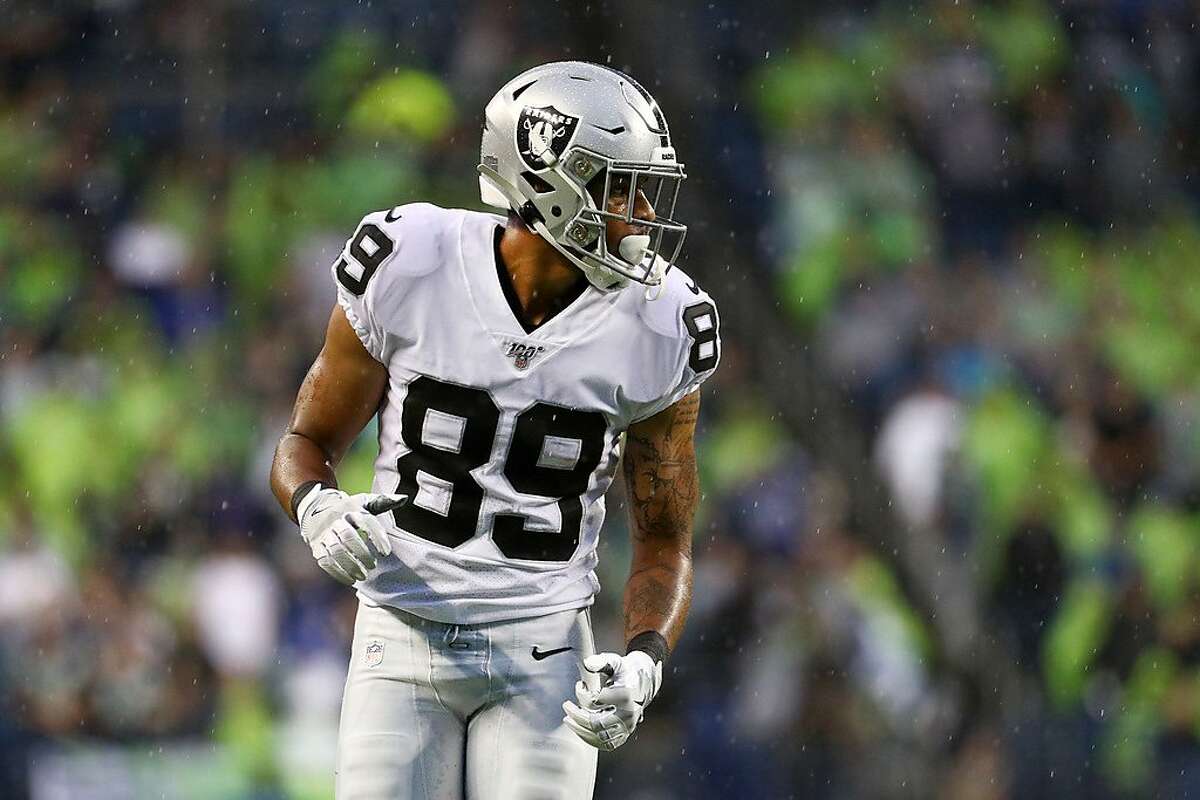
<point>343,532</point>
<point>606,717</point>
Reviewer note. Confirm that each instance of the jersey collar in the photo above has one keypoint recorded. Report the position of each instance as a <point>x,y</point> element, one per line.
<point>477,262</point>
<point>572,297</point>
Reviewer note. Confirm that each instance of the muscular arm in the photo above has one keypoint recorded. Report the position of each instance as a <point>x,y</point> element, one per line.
<point>339,396</point>
<point>663,487</point>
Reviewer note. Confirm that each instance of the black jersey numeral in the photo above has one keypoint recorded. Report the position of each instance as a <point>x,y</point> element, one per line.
<point>468,419</point>
<point>450,431</point>
<point>701,322</point>
<point>554,452</point>
<point>369,257</point>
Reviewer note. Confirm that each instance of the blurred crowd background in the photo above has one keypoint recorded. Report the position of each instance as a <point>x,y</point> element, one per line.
<point>950,539</point>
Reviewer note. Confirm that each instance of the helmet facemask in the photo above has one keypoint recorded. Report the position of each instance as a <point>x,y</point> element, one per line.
<point>608,184</point>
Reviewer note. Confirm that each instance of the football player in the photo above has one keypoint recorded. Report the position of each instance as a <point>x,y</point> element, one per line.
<point>511,361</point>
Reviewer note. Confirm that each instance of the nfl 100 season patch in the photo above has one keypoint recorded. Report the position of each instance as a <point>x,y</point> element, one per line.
<point>543,130</point>
<point>523,354</point>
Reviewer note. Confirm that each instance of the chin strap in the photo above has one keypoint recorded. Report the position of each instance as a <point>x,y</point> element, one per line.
<point>657,270</point>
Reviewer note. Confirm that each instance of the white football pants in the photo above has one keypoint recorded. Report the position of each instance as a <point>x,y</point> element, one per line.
<point>463,712</point>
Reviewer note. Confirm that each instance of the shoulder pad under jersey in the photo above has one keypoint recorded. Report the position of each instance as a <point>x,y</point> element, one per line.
<point>380,262</point>
<point>684,318</point>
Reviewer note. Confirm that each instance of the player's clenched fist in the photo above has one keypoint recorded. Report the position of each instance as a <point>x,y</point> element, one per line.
<point>606,718</point>
<point>343,532</point>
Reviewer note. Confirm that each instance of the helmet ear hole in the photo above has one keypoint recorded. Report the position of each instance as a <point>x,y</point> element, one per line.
<point>539,185</point>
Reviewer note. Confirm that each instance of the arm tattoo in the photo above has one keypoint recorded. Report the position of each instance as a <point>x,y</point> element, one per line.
<point>660,472</point>
<point>663,488</point>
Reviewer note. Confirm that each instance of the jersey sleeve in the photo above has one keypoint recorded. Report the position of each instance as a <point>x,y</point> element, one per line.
<point>377,265</point>
<point>690,326</point>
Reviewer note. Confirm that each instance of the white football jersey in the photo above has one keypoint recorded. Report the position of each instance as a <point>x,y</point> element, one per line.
<point>505,438</point>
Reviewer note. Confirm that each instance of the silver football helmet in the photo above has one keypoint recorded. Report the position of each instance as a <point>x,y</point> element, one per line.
<point>562,140</point>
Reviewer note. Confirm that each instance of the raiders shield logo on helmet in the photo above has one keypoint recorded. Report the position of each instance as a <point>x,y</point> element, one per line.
<point>541,131</point>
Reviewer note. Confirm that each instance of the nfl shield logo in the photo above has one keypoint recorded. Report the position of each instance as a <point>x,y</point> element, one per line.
<point>374,654</point>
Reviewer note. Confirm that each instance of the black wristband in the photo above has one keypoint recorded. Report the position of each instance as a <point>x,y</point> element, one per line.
<point>298,495</point>
<point>652,643</point>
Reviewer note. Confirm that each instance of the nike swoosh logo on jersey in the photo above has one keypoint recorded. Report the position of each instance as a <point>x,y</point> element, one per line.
<point>538,655</point>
